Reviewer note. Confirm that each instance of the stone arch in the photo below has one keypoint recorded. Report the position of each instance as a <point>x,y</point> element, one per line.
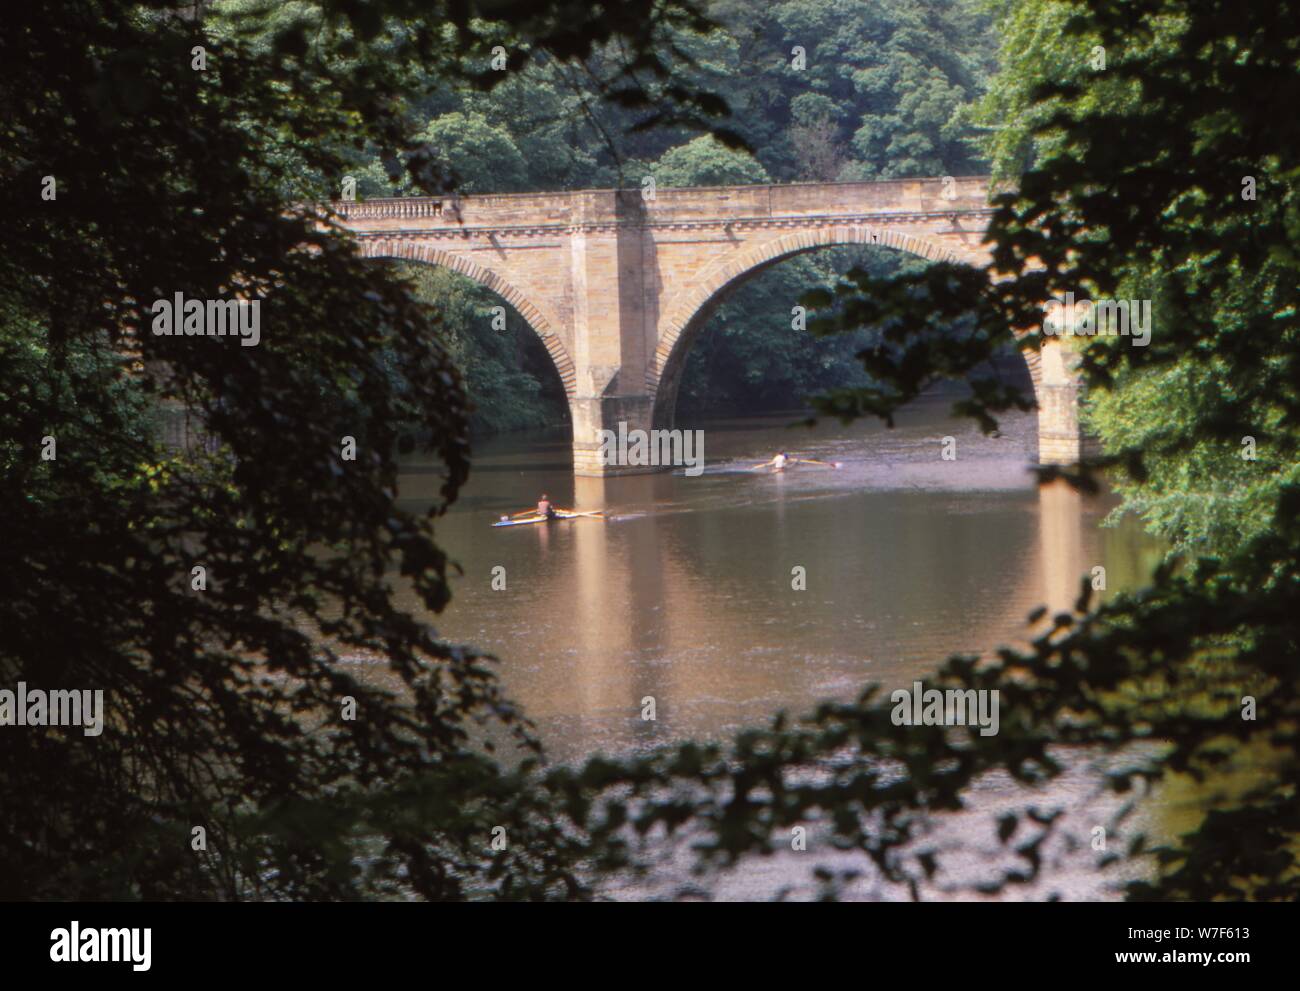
<point>405,250</point>
<point>692,308</point>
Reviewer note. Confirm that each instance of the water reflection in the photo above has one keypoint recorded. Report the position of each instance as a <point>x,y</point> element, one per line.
<point>689,597</point>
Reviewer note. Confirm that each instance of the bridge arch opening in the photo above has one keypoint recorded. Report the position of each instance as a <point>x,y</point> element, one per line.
<point>518,363</point>
<point>695,308</point>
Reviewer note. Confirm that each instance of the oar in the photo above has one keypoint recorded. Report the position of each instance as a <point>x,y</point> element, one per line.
<point>586,512</point>
<point>824,464</point>
<point>765,464</point>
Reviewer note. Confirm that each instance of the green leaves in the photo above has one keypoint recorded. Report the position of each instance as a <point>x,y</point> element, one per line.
<point>1131,187</point>
<point>225,702</point>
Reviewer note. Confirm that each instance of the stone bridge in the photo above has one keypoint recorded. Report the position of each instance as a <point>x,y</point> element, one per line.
<point>617,285</point>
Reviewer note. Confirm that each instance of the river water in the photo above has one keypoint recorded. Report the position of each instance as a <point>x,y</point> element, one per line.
<point>687,596</point>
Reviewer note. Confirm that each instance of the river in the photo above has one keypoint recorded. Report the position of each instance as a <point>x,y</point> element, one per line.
<point>688,596</point>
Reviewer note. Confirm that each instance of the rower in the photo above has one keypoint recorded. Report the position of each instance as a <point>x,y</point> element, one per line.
<point>544,507</point>
<point>780,461</point>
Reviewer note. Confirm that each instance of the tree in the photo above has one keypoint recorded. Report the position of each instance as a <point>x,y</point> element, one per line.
<point>1195,489</point>
<point>478,156</point>
<point>814,135</point>
<point>1136,171</point>
<point>210,596</point>
<point>704,161</point>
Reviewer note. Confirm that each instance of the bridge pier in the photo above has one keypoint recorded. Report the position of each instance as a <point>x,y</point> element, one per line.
<point>1061,438</point>
<point>593,414</point>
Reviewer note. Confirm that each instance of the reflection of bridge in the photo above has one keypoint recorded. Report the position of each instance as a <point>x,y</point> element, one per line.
<point>663,606</point>
<point>618,285</point>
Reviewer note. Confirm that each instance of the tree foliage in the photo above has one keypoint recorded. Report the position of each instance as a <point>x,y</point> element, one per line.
<point>224,704</point>
<point>224,695</point>
<point>1135,183</point>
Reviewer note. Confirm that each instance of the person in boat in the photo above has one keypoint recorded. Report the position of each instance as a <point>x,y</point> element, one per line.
<point>783,461</point>
<point>544,507</point>
<point>778,463</point>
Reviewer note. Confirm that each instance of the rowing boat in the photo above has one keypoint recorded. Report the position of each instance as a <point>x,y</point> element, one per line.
<point>560,514</point>
<point>791,462</point>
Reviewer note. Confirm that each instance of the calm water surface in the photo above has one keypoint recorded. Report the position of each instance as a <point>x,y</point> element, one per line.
<point>688,596</point>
